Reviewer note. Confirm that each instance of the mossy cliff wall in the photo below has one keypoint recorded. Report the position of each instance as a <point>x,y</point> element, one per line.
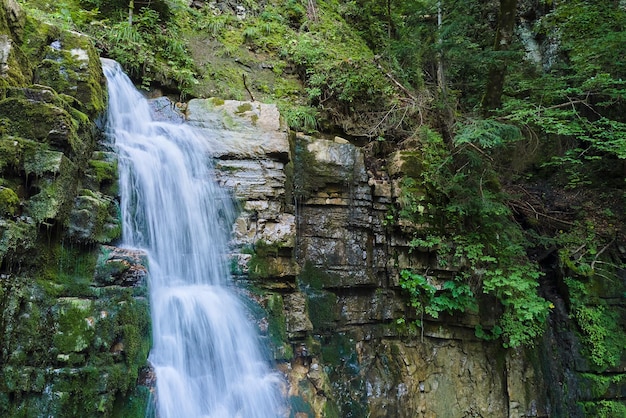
<point>311,247</point>
<point>74,321</point>
<point>321,264</point>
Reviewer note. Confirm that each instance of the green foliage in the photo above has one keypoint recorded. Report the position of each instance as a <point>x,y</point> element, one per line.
<point>459,213</point>
<point>150,49</point>
<point>487,133</point>
<point>578,105</point>
<point>330,77</point>
<point>426,298</point>
<point>603,337</point>
<point>300,118</point>
<point>462,42</point>
<point>600,325</point>
<point>63,13</point>
<point>604,409</point>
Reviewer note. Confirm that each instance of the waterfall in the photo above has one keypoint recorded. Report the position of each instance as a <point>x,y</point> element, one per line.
<point>206,353</point>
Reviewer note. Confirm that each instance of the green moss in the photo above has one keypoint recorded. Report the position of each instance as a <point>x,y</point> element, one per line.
<point>216,101</point>
<point>103,169</point>
<point>67,271</point>
<point>94,218</point>
<point>322,308</point>
<point>338,350</point>
<point>312,277</point>
<point>74,333</point>
<point>17,241</point>
<point>39,161</point>
<point>244,107</point>
<point>62,346</point>
<point>11,153</point>
<point>96,346</point>
<point>134,324</point>
<point>55,195</point>
<point>74,69</point>
<point>9,202</point>
<point>411,163</point>
<point>339,353</point>
<point>276,316</point>
<point>135,405</point>
<point>300,408</point>
<point>261,265</point>
<point>32,120</point>
<point>308,175</point>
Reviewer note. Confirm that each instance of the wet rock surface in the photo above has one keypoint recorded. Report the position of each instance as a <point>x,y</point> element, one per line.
<point>310,239</point>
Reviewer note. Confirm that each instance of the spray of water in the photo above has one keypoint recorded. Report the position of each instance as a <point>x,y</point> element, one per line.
<point>206,354</point>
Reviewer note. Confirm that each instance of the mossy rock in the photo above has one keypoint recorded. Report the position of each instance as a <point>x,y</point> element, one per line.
<point>121,267</point>
<point>56,194</point>
<point>11,65</point>
<point>86,351</point>
<point>315,278</point>
<point>9,202</point>
<point>75,332</point>
<point>339,353</point>
<point>266,262</point>
<point>94,218</point>
<point>319,162</point>
<point>12,150</point>
<point>17,241</point>
<point>39,161</point>
<point>41,122</point>
<point>67,62</point>
<point>405,163</point>
<point>13,68</point>
<point>103,172</point>
<point>277,326</point>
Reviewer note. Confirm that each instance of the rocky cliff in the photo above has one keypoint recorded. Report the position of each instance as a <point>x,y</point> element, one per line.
<point>314,249</point>
<point>73,311</point>
<point>311,247</point>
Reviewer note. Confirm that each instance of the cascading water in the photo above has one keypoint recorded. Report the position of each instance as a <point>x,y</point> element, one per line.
<point>206,354</point>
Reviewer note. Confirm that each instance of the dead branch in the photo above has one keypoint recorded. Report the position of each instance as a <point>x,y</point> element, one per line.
<point>243,76</point>
<point>593,263</point>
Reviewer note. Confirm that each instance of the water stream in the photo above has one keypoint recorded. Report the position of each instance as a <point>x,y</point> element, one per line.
<point>206,354</point>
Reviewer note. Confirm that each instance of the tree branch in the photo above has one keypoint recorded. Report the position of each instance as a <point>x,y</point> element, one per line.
<point>243,76</point>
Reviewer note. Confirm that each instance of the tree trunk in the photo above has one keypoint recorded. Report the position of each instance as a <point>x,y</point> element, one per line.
<point>441,79</point>
<point>504,36</point>
<point>131,8</point>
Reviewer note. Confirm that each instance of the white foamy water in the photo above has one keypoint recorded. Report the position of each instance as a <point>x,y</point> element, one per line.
<point>206,353</point>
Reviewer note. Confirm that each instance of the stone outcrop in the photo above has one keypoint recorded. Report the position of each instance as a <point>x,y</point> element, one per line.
<point>311,238</point>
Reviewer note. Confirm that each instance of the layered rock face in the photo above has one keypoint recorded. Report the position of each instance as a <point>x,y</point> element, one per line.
<point>74,319</point>
<point>311,246</point>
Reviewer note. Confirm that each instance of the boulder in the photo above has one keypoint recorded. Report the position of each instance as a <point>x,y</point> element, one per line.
<point>239,130</point>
